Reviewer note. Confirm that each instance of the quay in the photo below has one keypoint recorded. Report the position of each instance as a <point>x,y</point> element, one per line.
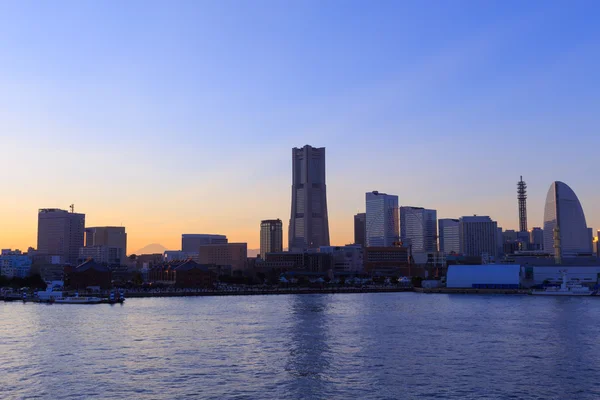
<point>471,291</point>
<point>262,292</point>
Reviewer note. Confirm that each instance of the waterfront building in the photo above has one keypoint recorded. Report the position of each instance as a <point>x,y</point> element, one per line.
<point>299,261</point>
<point>449,238</point>
<point>190,274</point>
<point>478,236</point>
<point>565,229</point>
<point>271,237</point>
<point>60,233</point>
<point>309,223</point>
<point>418,229</point>
<point>382,219</point>
<point>229,254</point>
<point>14,264</point>
<point>490,276</point>
<point>345,258</point>
<point>191,242</point>
<point>387,261</point>
<point>536,239</point>
<point>88,274</point>
<point>110,237</point>
<point>360,229</point>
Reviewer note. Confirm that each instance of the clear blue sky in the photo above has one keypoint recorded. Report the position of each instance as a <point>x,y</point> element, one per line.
<point>178,116</point>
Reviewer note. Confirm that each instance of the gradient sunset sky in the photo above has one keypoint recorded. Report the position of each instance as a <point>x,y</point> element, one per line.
<point>179,116</point>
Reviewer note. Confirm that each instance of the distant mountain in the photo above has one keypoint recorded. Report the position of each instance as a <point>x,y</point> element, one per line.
<point>153,248</point>
<point>253,252</point>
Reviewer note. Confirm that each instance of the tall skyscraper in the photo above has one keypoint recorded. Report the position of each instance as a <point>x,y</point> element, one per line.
<point>309,225</point>
<point>565,230</point>
<point>478,236</point>
<point>382,219</point>
<point>60,233</point>
<point>111,238</point>
<point>449,238</point>
<point>190,242</point>
<point>522,198</point>
<point>360,229</point>
<point>271,237</point>
<point>418,229</point>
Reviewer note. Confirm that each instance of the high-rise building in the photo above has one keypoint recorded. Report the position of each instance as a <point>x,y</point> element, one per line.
<point>449,238</point>
<point>418,229</point>
<point>565,230</point>
<point>382,219</point>
<point>309,224</point>
<point>190,243</point>
<point>113,238</point>
<point>536,239</point>
<point>271,237</point>
<point>478,236</point>
<point>360,229</point>
<point>60,234</point>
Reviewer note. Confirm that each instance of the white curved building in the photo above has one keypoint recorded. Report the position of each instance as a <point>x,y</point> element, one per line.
<point>563,210</point>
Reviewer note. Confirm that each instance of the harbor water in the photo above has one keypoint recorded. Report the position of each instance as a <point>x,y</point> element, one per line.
<point>321,346</point>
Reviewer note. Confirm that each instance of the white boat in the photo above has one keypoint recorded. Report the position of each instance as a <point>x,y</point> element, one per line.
<point>566,288</point>
<point>77,300</point>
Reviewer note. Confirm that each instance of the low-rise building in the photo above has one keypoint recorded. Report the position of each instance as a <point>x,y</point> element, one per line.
<point>302,261</point>
<point>387,261</point>
<point>14,264</point>
<point>190,274</point>
<point>89,273</point>
<point>492,276</point>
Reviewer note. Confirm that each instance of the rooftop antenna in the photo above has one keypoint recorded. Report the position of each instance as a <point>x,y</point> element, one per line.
<point>72,207</point>
<point>522,197</point>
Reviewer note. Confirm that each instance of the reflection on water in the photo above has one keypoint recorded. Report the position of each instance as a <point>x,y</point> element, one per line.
<point>307,362</point>
<point>368,346</point>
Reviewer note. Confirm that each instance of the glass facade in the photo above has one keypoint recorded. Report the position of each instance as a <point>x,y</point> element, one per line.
<point>382,219</point>
<point>563,212</point>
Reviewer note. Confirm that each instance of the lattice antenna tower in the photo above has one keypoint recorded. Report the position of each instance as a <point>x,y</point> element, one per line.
<point>522,197</point>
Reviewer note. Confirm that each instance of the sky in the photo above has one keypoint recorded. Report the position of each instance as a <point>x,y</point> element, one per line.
<point>179,117</point>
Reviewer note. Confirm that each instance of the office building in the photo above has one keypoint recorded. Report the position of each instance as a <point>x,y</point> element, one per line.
<point>228,254</point>
<point>14,264</point>
<point>60,234</point>
<point>271,237</point>
<point>565,229</point>
<point>345,258</point>
<point>536,239</point>
<point>102,254</point>
<point>449,238</point>
<point>387,261</point>
<point>478,237</point>
<point>360,229</point>
<point>382,219</point>
<point>309,224</point>
<point>190,243</point>
<point>418,229</point>
<point>112,238</point>
<point>299,261</point>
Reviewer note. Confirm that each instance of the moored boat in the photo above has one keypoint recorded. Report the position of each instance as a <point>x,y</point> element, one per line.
<point>566,288</point>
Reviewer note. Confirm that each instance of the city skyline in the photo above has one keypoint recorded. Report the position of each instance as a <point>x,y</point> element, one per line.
<point>144,138</point>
